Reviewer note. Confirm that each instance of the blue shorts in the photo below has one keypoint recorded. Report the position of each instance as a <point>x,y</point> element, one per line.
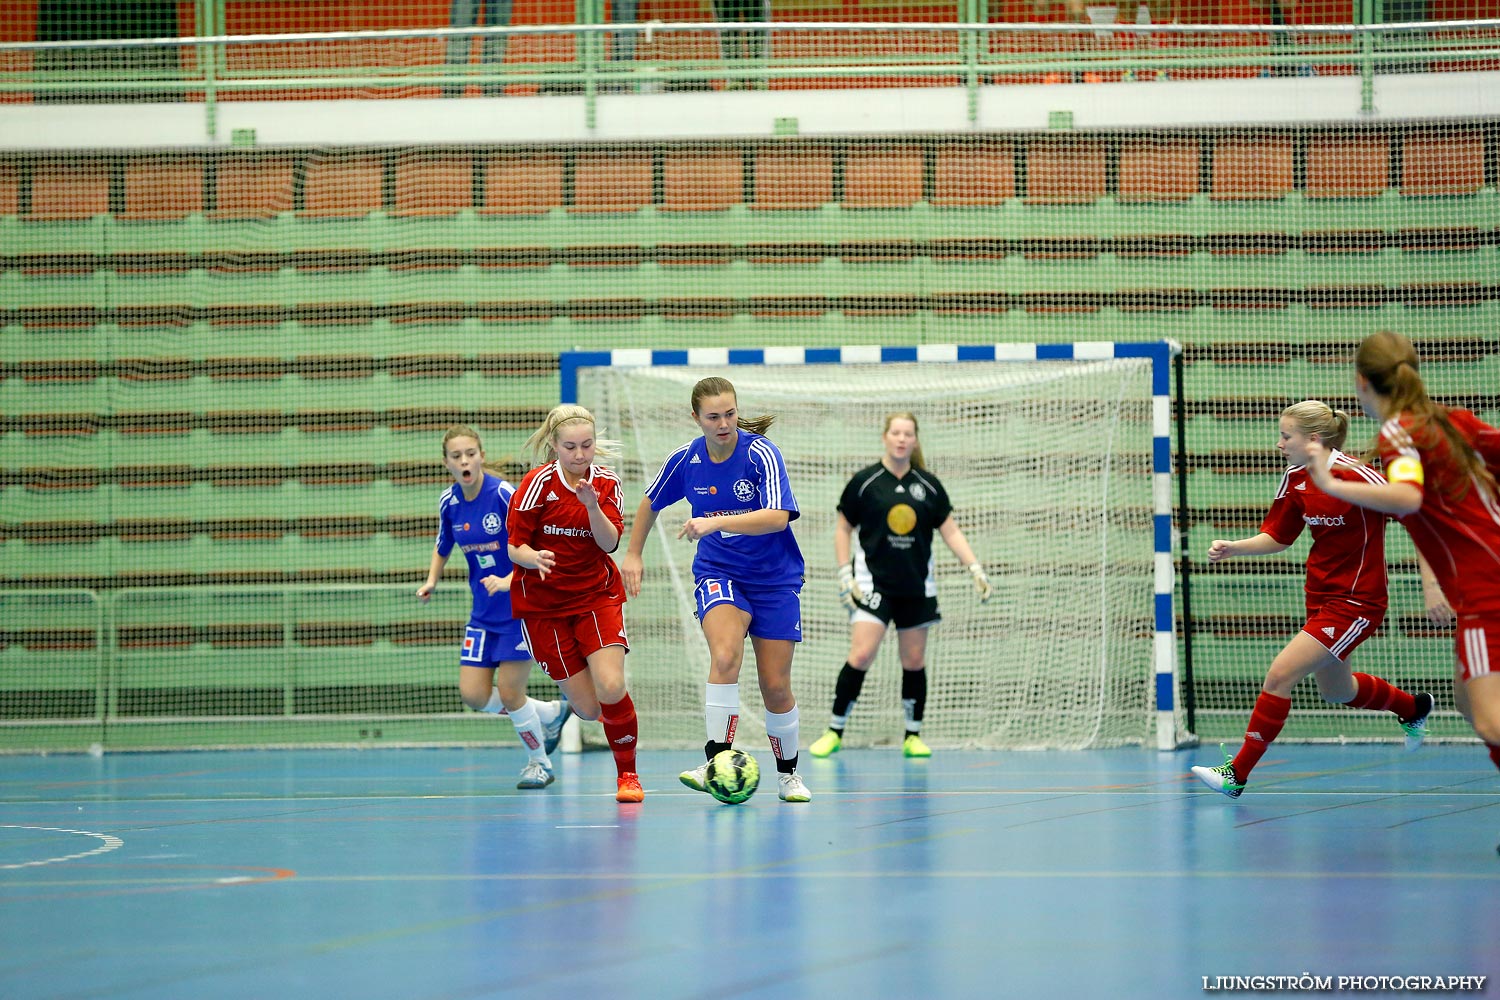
<point>775,612</point>
<point>486,647</point>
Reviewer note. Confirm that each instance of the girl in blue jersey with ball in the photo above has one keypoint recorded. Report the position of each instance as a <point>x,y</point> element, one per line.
<point>748,569</point>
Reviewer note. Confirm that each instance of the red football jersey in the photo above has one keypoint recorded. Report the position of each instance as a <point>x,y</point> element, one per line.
<point>1347,559</point>
<point>1458,536</point>
<point>546,513</point>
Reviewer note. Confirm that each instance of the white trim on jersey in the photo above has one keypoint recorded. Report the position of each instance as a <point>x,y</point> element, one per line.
<point>1356,629</point>
<point>667,467</point>
<point>773,469</point>
<point>1365,472</point>
<point>1476,652</point>
<point>873,476</point>
<point>532,497</point>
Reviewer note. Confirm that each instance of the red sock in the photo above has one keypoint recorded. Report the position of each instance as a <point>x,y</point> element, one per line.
<point>620,730</point>
<point>1381,696</point>
<point>1266,720</point>
<point>1494,753</point>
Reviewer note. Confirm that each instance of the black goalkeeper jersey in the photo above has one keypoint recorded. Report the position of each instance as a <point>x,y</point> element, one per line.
<point>895,519</point>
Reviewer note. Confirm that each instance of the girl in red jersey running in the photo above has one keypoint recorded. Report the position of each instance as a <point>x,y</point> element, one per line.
<point>564,522</point>
<point>1441,465</point>
<point>1346,591</point>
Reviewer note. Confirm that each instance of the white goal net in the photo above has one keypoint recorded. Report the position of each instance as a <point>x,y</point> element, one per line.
<point>1049,467</point>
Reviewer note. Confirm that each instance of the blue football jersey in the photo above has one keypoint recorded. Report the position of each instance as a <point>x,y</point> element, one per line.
<point>752,478</point>
<point>477,527</point>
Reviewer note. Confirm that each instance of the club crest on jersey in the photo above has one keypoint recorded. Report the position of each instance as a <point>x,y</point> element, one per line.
<point>918,492</point>
<point>744,490</point>
<point>491,523</point>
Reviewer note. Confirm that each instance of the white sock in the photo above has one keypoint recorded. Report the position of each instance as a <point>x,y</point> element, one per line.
<point>783,731</point>
<point>721,711</point>
<point>494,706</point>
<point>546,711</point>
<point>529,728</point>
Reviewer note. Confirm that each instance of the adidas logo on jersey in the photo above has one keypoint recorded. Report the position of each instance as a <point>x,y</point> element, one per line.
<point>695,461</point>
<point>900,489</point>
<point>551,495</point>
<point>1300,486</point>
<point>1328,631</point>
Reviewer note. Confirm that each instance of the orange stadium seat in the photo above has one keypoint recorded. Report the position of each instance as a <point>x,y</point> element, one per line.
<point>793,179</point>
<point>522,183</point>
<point>1065,171</point>
<point>69,190</point>
<point>1158,169</point>
<point>433,183</point>
<point>615,181</point>
<point>702,181</point>
<point>1442,164</point>
<point>1251,167</point>
<point>1345,166</point>
<point>253,186</point>
<point>973,173</point>
<point>10,188</point>
<point>883,177</point>
<point>343,186</point>
<point>163,188</point>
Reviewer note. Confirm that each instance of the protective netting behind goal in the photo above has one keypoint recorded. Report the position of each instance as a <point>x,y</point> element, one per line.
<point>1048,465</point>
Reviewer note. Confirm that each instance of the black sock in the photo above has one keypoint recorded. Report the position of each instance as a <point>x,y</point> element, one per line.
<point>712,749</point>
<point>845,690</point>
<point>786,766</point>
<point>914,697</point>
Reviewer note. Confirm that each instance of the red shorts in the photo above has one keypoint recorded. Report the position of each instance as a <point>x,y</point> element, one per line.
<point>562,645</point>
<point>1478,646</point>
<point>1343,625</point>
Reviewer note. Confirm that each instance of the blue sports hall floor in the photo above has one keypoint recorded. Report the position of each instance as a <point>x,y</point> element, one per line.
<point>425,875</point>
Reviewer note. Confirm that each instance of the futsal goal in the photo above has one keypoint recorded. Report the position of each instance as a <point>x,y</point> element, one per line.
<point>1057,458</point>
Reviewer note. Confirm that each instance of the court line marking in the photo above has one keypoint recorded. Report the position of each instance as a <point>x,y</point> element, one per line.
<point>110,843</point>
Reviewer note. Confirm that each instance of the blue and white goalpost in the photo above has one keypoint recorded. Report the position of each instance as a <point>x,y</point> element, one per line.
<point>1058,459</point>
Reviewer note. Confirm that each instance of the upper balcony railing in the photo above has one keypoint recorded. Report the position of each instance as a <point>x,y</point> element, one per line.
<point>596,60</point>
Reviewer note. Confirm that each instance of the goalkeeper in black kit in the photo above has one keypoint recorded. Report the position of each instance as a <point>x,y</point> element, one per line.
<point>894,505</point>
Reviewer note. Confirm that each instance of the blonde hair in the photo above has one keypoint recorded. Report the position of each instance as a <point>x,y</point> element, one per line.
<point>916,453</point>
<point>715,386</point>
<point>543,440</point>
<point>1313,416</point>
<point>1388,361</point>
<point>463,430</point>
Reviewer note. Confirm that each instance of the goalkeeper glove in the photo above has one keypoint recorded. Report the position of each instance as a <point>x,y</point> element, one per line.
<point>981,582</point>
<point>849,592</point>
